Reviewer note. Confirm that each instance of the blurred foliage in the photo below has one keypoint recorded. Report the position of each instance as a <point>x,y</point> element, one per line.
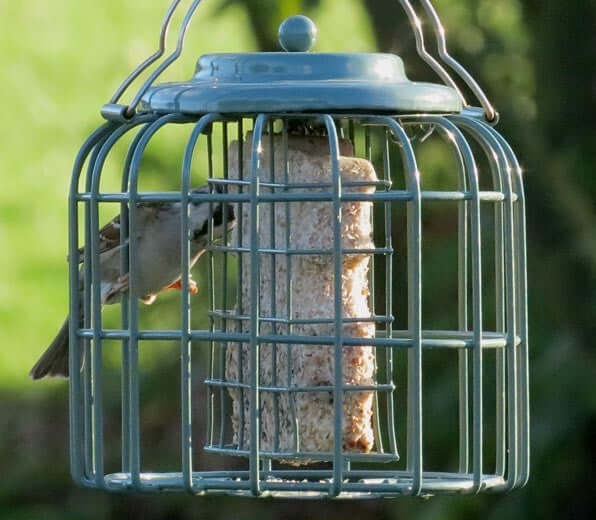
<point>62,60</point>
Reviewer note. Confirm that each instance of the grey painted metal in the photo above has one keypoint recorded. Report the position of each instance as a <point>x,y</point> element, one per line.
<point>368,99</point>
<point>97,435</point>
<point>240,285</point>
<point>522,312</point>
<point>389,363</point>
<point>124,262</point>
<point>273,241</point>
<point>266,82</point>
<point>255,296</point>
<point>87,311</point>
<point>87,444</point>
<point>338,388</point>
<point>76,420</point>
<point>416,25</point>
<point>112,111</point>
<point>289,307</point>
<point>212,295</point>
<point>476,242</point>
<point>133,362</point>
<point>151,59</point>
<point>496,159</point>
<point>387,196</point>
<point>489,111</point>
<point>298,33</point>
<point>386,484</point>
<point>185,340</point>
<point>398,339</point>
<point>496,146</point>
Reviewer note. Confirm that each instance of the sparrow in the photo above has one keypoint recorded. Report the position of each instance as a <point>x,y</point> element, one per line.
<point>158,266</point>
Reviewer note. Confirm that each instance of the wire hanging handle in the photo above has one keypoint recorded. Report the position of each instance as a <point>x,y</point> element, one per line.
<point>118,112</point>
<point>490,113</point>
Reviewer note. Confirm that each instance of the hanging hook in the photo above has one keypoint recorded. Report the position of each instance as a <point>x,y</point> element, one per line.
<point>490,113</point>
<point>416,25</point>
<point>118,112</point>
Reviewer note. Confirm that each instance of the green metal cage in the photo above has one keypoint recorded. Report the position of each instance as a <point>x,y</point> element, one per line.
<point>492,448</point>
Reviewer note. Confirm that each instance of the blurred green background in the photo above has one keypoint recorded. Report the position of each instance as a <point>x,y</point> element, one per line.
<point>62,61</point>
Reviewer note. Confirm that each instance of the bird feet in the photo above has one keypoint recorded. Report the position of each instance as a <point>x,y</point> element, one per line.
<point>177,286</point>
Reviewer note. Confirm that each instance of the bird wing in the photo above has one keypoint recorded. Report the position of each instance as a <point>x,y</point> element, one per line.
<point>109,238</point>
<point>109,235</point>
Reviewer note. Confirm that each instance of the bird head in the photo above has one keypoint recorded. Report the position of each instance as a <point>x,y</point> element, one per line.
<point>220,213</point>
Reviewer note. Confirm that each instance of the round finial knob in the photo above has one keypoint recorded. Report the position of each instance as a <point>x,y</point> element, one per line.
<point>297,34</point>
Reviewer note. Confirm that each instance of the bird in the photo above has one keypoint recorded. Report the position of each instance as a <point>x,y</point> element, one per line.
<point>158,248</point>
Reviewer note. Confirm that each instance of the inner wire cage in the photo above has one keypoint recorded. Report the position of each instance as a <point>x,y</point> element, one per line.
<point>479,351</point>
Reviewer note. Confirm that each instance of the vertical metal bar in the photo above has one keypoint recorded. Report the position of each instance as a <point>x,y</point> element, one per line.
<point>462,313</point>
<point>376,410</point>
<point>272,243</point>
<point>510,326</point>
<point>500,390</point>
<point>511,318</point>
<point>500,293</point>
<point>367,144</point>
<point>497,178</point>
<point>185,342</point>
<point>372,265</point>
<point>391,419</point>
<point>463,375</point>
<point>211,289</point>
<point>371,276</point>
<point>76,397</point>
<point>476,249</point>
<point>124,305</point>
<point>463,391</point>
<point>224,293</point>
<point>351,134</point>
<point>240,283</point>
<point>414,460</point>
<point>519,233</point>
<point>338,393</point>
<point>289,281</point>
<point>133,330</point>
<point>255,430</point>
<point>414,239</point>
<point>87,320</point>
<point>96,306</point>
<point>486,138</point>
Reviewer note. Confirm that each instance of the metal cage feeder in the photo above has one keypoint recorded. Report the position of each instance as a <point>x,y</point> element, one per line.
<point>354,107</point>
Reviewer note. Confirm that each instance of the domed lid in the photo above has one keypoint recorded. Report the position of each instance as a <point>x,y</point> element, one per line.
<point>300,81</point>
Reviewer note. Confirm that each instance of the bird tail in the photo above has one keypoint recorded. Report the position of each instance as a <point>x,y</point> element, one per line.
<point>54,361</point>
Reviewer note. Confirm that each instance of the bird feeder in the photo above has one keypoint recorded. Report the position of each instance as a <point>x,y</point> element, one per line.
<point>317,339</point>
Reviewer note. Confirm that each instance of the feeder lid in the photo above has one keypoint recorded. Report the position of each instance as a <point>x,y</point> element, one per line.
<point>300,81</point>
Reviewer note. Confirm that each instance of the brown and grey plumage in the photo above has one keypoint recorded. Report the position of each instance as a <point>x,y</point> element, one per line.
<point>158,262</point>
